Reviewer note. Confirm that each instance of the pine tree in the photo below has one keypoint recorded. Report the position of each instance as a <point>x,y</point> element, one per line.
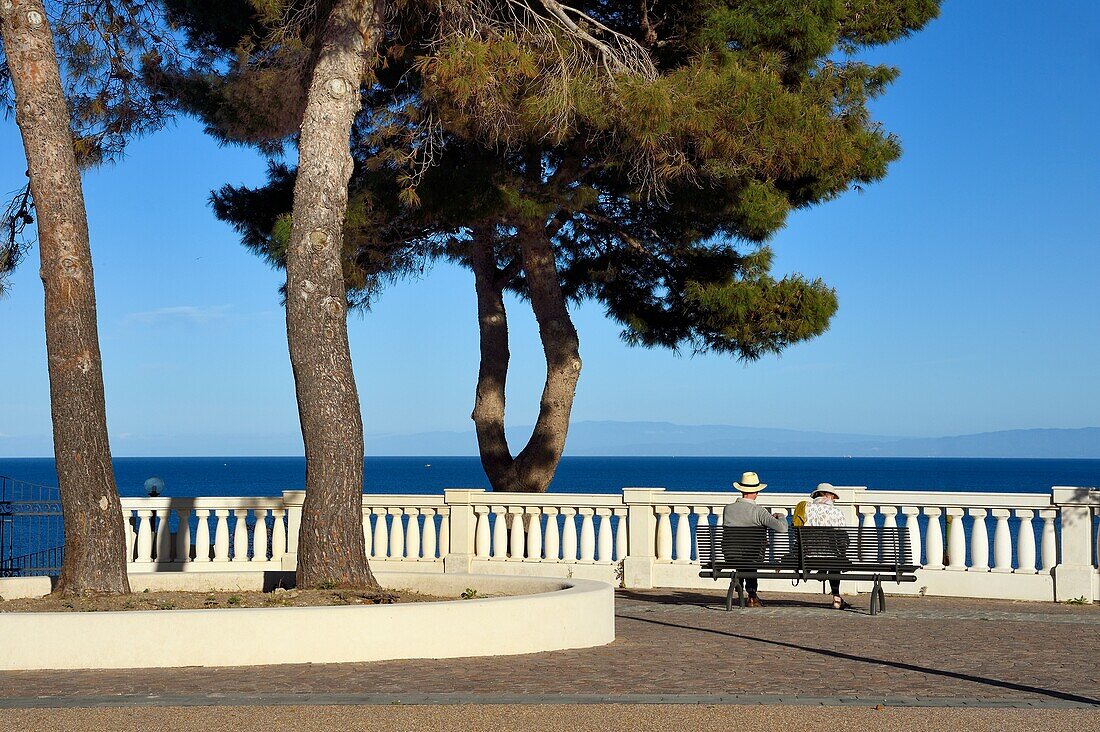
<point>69,123</point>
<point>651,184</point>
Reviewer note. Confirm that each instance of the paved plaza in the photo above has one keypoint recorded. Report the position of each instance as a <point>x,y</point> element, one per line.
<point>673,648</point>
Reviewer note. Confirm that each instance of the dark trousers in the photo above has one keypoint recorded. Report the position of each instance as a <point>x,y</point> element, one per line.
<point>834,585</point>
<point>750,586</point>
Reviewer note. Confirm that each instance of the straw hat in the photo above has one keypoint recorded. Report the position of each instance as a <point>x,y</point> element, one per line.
<point>750,483</point>
<point>824,488</point>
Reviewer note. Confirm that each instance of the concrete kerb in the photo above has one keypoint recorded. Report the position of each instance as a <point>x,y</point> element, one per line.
<point>537,615</point>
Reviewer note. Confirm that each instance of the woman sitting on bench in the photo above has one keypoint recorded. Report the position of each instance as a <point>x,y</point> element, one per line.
<point>823,512</point>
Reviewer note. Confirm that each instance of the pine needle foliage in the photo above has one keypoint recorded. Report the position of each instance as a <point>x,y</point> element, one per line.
<point>660,145</point>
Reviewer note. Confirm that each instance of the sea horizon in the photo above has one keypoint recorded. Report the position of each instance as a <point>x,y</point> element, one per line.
<point>200,475</point>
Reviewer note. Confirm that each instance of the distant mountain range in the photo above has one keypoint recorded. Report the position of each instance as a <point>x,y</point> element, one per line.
<point>665,438</point>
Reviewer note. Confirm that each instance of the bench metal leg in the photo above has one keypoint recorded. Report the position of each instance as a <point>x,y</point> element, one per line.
<point>734,584</point>
<point>878,598</point>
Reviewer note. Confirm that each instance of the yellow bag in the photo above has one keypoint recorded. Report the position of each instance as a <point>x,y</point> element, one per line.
<point>799,518</point>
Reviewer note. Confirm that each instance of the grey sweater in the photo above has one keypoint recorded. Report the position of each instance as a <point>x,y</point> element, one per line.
<point>750,513</point>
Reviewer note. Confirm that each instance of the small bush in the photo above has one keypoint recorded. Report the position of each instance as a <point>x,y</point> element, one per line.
<point>469,593</point>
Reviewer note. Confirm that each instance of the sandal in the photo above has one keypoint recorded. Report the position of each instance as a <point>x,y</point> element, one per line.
<point>840,604</point>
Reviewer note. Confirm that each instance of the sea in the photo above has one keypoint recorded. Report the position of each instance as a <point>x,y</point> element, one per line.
<point>268,476</point>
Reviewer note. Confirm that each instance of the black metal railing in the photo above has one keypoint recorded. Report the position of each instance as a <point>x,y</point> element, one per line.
<point>32,533</point>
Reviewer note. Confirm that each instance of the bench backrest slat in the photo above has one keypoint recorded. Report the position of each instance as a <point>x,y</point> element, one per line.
<point>808,546</point>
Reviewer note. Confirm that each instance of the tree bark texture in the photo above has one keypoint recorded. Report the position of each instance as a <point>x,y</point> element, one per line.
<point>95,548</point>
<point>533,469</point>
<point>330,542</point>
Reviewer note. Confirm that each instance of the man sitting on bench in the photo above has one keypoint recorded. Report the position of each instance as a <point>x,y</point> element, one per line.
<point>746,512</point>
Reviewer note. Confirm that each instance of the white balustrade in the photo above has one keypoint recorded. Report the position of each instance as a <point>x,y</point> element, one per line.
<point>534,531</point>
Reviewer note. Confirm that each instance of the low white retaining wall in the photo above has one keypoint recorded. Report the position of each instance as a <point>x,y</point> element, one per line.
<point>550,615</point>
<point>1029,546</point>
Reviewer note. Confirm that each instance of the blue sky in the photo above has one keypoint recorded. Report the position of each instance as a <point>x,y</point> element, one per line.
<point>967,281</point>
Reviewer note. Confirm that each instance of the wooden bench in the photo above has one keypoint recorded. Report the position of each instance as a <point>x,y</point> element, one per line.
<point>807,553</point>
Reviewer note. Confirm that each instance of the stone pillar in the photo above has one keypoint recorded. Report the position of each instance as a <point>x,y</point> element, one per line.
<point>641,536</point>
<point>1073,576</point>
<point>292,503</point>
<point>463,524</point>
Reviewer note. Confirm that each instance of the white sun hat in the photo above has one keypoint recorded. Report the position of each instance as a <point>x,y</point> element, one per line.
<point>750,483</point>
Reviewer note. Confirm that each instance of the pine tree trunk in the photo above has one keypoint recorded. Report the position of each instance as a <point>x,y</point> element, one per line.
<point>95,549</point>
<point>330,540</point>
<point>533,469</point>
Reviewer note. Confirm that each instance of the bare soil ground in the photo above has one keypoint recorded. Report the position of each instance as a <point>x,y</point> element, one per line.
<point>205,600</point>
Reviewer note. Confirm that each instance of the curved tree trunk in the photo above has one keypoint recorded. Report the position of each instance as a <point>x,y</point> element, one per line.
<point>330,540</point>
<point>534,467</point>
<point>95,549</point>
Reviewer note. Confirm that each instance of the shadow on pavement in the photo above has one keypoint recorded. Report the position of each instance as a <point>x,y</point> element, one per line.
<point>1065,696</point>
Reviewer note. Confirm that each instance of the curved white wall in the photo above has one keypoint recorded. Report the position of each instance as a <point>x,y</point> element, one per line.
<point>553,615</point>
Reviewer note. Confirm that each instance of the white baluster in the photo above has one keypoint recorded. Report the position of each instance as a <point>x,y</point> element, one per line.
<point>620,534</point>
<point>664,533</point>
<point>701,523</point>
<point>1002,541</point>
<point>979,541</point>
<point>278,534</point>
<point>604,538</point>
<point>683,534</point>
<point>1050,540</point>
<point>128,527</point>
<point>259,536</point>
<point>412,533</point>
<point>428,536</point>
<point>956,540</point>
<point>397,534</point>
<point>569,535</point>
<point>869,529</point>
<point>164,536</point>
<point>1025,542</point>
<point>912,523</point>
<point>381,533</point>
<point>551,543</point>
<point>368,533</point>
<point>221,535</point>
<point>444,532</point>
<point>202,535</point>
<point>500,533</point>
<point>890,514</point>
<point>534,534</point>
<point>183,536</point>
<point>934,545</point>
<point>588,535</point>
<point>481,533</point>
<point>144,537</point>
<point>240,535</point>
<point>517,540</point>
